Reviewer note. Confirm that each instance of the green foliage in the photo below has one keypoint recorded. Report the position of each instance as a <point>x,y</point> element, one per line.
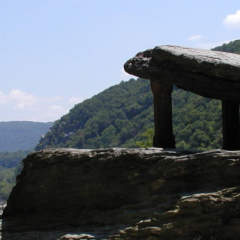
<point>147,139</point>
<point>196,121</point>
<point>115,117</point>
<point>122,116</point>
<point>12,159</point>
<point>10,166</point>
<point>232,47</point>
<point>7,181</point>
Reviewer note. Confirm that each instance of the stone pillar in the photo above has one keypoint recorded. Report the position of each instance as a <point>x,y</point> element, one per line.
<point>163,136</point>
<point>230,123</point>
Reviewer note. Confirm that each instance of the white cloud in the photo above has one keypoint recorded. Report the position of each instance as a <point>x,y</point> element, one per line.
<point>20,105</point>
<point>21,99</point>
<point>232,20</point>
<point>196,38</point>
<point>17,98</point>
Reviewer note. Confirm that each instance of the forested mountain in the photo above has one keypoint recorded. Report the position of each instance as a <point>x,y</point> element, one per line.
<point>121,115</point>
<point>115,117</point>
<point>21,135</point>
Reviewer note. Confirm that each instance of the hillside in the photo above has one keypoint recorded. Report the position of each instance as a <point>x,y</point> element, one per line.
<point>21,135</point>
<point>232,47</point>
<point>112,118</point>
<point>120,116</point>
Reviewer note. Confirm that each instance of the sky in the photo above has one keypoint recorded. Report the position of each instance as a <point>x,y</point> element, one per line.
<point>57,53</point>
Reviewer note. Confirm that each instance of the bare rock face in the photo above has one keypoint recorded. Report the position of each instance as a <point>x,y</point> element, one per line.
<point>208,73</point>
<point>125,194</point>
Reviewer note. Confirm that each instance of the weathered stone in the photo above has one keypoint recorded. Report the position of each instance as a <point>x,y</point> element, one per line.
<point>119,194</point>
<point>208,73</point>
<point>76,237</point>
<point>206,216</point>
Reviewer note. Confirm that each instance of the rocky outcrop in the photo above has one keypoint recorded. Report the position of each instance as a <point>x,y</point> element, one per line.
<point>125,194</point>
<point>208,73</point>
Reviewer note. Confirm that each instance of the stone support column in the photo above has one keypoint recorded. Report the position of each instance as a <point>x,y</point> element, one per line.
<point>163,136</point>
<point>230,123</point>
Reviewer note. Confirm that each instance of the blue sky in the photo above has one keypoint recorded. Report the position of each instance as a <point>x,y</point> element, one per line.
<point>56,53</point>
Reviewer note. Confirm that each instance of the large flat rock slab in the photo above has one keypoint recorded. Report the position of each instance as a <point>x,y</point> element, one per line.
<point>119,194</point>
<point>208,73</point>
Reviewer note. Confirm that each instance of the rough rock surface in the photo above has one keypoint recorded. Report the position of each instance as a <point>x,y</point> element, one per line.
<point>208,73</point>
<point>125,194</point>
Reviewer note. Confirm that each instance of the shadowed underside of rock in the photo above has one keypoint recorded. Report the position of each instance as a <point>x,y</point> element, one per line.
<point>119,194</point>
<point>208,73</point>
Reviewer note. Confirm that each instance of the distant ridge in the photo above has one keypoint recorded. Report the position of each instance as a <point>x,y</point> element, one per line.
<point>21,135</point>
<point>232,47</point>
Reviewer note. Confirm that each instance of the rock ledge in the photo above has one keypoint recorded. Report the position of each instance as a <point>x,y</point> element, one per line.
<point>125,194</point>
